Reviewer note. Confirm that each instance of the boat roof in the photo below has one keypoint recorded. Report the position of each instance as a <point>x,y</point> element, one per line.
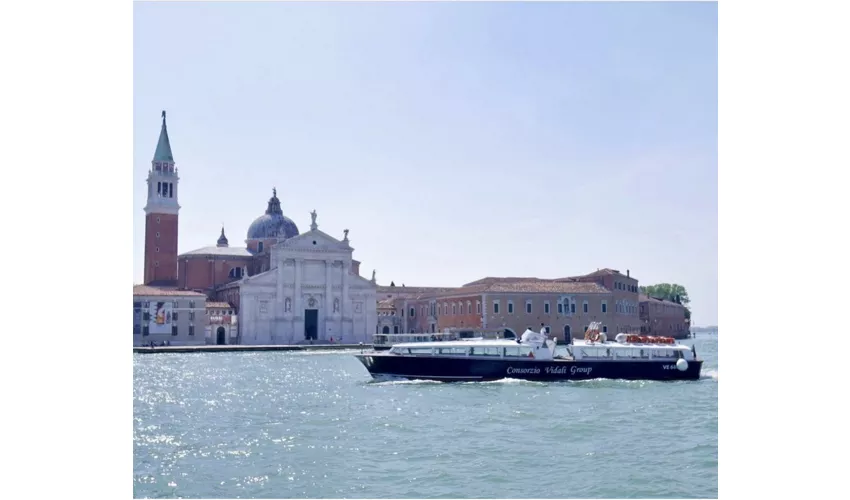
<point>513,343</point>
<point>462,343</point>
<point>631,345</point>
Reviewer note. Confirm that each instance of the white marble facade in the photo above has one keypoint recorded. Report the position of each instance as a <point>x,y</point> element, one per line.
<point>310,292</point>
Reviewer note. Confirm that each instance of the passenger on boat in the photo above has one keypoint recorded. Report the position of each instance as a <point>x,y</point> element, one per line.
<point>542,329</point>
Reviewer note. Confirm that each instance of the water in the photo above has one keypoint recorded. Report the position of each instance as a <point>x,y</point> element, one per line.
<point>283,425</point>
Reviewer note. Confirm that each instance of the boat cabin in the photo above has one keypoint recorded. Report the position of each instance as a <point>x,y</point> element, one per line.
<point>388,339</point>
<point>629,351</point>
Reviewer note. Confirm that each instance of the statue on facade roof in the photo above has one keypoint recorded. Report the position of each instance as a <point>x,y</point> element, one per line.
<point>345,232</point>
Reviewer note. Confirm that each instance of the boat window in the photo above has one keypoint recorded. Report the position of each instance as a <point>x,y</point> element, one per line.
<point>485,351</point>
<point>512,351</point>
<point>420,350</point>
<point>524,350</point>
<point>452,351</point>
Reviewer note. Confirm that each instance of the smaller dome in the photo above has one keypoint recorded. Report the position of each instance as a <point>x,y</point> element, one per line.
<point>222,240</point>
<point>272,224</point>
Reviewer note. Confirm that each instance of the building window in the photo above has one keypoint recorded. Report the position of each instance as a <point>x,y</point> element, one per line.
<point>585,308</point>
<point>412,312</point>
<point>604,329</point>
<point>478,306</point>
<point>157,249</point>
<point>445,309</point>
<point>528,306</point>
<point>156,263</point>
<point>157,234</point>
<point>145,330</point>
<point>260,247</point>
<point>604,306</point>
<point>560,308</point>
<point>496,307</point>
<point>573,308</point>
<point>454,308</point>
<point>469,308</point>
<point>191,315</point>
<point>395,329</point>
<point>546,307</point>
<point>157,220</point>
<point>510,307</point>
<point>174,329</point>
<point>191,328</point>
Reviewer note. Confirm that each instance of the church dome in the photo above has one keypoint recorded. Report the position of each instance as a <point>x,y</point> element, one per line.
<point>272,224</point>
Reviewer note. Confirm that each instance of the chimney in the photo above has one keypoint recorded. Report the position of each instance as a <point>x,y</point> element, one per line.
<point>627,273</point>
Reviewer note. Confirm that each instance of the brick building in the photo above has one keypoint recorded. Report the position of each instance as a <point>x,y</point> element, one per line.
<point>566,306</point>
<point>663,317</point>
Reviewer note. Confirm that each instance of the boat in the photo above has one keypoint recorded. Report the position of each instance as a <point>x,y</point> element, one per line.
<point>533,357</point>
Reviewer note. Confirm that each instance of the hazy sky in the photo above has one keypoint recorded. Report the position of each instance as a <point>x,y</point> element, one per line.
<point>454,140</point>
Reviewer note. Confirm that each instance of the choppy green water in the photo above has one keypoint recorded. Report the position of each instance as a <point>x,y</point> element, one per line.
<point>278,425</point>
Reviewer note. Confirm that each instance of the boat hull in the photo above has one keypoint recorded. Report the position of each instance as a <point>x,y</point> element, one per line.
<point>459,369</point>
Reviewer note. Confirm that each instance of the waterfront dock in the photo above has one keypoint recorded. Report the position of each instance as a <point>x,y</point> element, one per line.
<point>249,348</point>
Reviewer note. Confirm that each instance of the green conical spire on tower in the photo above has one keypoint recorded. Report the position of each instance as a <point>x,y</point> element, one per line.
<point>163,147</point>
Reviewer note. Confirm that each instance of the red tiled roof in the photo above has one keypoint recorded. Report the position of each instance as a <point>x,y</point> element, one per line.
<point>218,305</point>
<point>646,298</point>
<point>539,286</point>
<point>410,289</point>
<point>492,279</point>
<point>164,292</point>
<point>386,304</point>
<point>547,287</point>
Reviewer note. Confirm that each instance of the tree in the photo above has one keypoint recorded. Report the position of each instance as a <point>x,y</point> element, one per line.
<point>667,291</point>
<point>672,292</point>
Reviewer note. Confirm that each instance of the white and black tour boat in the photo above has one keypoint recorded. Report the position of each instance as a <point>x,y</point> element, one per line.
<point>533,357</point>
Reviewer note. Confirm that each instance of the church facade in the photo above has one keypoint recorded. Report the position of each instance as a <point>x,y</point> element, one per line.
<point>285,287</point>
<point>310,294</point>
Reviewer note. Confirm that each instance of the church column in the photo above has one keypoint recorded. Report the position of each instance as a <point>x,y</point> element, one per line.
<point>298,309</point>
<point>279,289</point>
<point>345,306</point>
<point>329,264</point>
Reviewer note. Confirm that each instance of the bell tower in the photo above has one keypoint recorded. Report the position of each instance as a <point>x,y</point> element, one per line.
<point>161,215</point>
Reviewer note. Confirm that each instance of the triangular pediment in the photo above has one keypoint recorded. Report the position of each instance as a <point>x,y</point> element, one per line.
<point>314,240</point>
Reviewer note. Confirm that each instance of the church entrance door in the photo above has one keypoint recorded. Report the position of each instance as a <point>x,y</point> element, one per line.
<point>219,336</point>
<point>311,324</point>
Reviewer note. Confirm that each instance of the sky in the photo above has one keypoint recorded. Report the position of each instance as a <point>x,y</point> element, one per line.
<point>454,140</point>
